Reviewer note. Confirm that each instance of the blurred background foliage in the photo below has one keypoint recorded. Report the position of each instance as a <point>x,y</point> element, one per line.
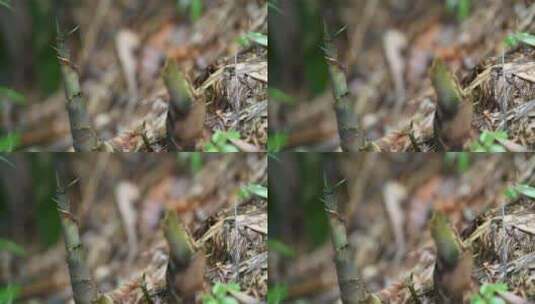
<point>296,26</point>
<point>29,69</point>
<point>298,71</point>
<point>27,185</point>
<point>295,186</point>
<point>27,34</point>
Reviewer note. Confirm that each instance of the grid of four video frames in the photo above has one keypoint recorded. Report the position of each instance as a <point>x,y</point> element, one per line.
<point>147,158</point>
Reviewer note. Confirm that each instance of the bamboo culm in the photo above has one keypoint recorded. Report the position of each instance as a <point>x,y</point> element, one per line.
<point>352,288</point>
<point>83,286</point>
<point>83,134</point>
<point>350,131</point>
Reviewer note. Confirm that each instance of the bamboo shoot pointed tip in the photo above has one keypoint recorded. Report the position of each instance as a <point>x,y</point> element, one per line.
<point>177,239</point>
<point>445,238</point>
<point>170,68</point>
<point>177,86</point>
<point>446,88</point>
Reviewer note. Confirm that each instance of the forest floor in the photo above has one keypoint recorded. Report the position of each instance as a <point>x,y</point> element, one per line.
<point>118,202</point>
<point>119,51</point>
<point>387,52</point>
<point>389,201</point>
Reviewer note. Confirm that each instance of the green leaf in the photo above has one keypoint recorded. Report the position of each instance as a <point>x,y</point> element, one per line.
<point>208,299</point>
<point>228,300</point>
<point>489,290</point>
<point>495,148</point>
<point>257,190</point>
<point>490,142</point>
<point>210,147</point>
<point>463,10</point>
<point>280,247</point>
<point>258,38</point>
<point>487,294</point>
<point>487,138</point>
<point>277,293</point>
<point>244,194</point>
<point>511,41</point>
<point>477,299</point>
<point>9,293</point>
<point>461,159</point>
<point>278,95</point>
<point>233,135</point>
<point>12,247</point>
<point>511,193</point>
<point>277,141</point>
<point>500,136</point>
<point>9,142</point>
<point>219,142</point>
<point>232,286</point>
<point>219,290</point>
<point>7,94</point>
<point>496,300</point>
<point>243,41</point>
<point>526,38</point>
<point>526,190</point>
<point>227,148</point>
<point>196,161</point>
<point>477,147</point>
<point>220,137</point>
<point>195,10</point>
<point>5,4</point>
<point>460,7</point>
<point>463,162</point>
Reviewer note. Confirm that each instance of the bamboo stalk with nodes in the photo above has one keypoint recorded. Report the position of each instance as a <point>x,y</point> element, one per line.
<point>352,288</point>
<point>352,137</point>
<point>84,136</point>
<point>83,287</point>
